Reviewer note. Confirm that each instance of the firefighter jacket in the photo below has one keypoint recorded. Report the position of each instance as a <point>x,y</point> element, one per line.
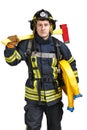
<point>43,85</point>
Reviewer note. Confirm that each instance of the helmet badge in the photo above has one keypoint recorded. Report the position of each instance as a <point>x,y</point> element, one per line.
<point>43,14</point>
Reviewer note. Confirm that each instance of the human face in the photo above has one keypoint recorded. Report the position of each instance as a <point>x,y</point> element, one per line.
<point>43,28</point>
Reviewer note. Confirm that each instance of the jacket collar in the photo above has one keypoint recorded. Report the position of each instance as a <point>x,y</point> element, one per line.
<point>40,40</point>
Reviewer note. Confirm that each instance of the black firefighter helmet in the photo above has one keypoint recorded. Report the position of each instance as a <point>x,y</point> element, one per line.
<point>42,15</point>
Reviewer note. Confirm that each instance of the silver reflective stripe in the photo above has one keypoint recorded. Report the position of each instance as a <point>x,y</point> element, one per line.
<point>44,55</point>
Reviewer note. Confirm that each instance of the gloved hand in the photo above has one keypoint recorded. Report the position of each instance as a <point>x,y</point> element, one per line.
<point>14,41</point>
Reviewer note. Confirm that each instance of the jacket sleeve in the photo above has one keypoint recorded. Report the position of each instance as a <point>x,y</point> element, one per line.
<point>14,56</point>
<point>66,54</point>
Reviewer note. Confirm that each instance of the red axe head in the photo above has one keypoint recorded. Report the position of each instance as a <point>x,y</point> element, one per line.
<point>65,34</point>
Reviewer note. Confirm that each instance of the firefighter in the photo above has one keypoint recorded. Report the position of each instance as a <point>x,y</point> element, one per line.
<point>43,88</point>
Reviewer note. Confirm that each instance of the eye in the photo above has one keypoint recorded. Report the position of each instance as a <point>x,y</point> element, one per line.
<point>45,24</point>
<point>39,25</point>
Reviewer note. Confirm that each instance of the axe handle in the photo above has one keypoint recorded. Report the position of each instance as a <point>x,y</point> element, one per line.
<point>59,31</point>
<point>19,37</point>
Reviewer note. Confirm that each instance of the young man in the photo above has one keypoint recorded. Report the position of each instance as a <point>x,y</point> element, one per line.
<point>43,92</point>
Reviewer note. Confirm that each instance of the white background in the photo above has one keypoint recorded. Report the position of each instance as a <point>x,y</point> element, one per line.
<point>14,16</point>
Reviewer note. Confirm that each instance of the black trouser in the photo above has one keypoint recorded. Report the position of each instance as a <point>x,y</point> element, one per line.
<point>34,114</point>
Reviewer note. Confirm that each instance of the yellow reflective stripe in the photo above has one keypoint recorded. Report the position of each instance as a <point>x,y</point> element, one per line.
<point>13,57</point>
<point>50,92</point>
<point>54,97</point>
<point>55,72</point>
<point>36,73</point>
<point>10,59</point>
<point>76,73</point>
<point>46,92</point>
<point>54,62</point>
<point>18,56</point>
<point>34,61</point>
<point>54,68</point>
<point>51,17</point>
<point>32,97</point>
<point>46,99</point>
<point>35,85</point>
<point>32,91</point>
<point>71,60</point>
<point>49,95</point>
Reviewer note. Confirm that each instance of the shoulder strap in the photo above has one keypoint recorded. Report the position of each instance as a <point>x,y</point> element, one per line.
<point>29,47</point>
<point>28,54</point>
<point>56,42</point>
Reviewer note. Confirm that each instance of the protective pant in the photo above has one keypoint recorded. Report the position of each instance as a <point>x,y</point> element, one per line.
<point>34,115</point>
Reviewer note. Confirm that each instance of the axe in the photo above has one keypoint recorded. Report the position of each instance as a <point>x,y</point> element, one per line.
<point>63,31</point>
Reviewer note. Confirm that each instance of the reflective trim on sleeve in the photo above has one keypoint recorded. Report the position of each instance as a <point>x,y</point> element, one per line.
<point>76,73</point>
<point>13,57</point>
<point>71,60</point>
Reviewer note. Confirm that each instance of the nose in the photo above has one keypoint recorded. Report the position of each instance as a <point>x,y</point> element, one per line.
<point>43,26</point>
